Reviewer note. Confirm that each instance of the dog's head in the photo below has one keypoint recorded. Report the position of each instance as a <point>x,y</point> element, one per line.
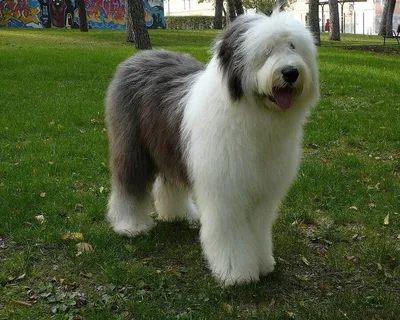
<point>270,61</point>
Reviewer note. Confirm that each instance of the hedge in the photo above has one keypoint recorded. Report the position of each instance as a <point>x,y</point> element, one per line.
<point>191,22</point>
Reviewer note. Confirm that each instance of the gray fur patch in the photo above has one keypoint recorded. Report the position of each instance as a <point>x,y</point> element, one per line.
<point>144,110</point>
<point>226,49</point>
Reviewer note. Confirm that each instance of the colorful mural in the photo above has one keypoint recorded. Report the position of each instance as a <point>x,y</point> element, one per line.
<point>107,14</point>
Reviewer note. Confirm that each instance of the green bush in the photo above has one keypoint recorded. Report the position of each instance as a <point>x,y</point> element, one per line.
<point>191,22</point>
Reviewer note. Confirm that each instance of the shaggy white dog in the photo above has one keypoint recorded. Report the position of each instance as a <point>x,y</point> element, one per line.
<point>229,134</point>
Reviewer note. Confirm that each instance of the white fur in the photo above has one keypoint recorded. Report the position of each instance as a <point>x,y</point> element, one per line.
<point>127,215</point>
<point>241,156</point>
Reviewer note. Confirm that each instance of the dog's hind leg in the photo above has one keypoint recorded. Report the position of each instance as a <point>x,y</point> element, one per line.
<point>130,202</point>
<point>172,200</point>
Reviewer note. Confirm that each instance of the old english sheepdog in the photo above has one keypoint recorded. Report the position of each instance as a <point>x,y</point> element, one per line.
<point>221,142</point>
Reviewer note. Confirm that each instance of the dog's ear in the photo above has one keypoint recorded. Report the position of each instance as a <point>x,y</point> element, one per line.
<point>227,50</point>
<point>232,72</point>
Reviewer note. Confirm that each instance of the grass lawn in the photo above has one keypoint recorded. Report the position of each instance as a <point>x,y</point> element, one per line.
<point>337,238</point>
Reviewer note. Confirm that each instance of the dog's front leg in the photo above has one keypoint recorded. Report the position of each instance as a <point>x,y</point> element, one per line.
<point>228,241</point>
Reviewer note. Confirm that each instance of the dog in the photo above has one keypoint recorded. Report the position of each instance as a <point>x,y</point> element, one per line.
<point>220,142</point>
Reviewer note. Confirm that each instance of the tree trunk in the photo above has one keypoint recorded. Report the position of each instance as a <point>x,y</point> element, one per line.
<point>142,38</point>
<point>334,23</point>
<point>382,27</point>
<point>391,4</point>
<point>219,4</point>
<point>238,4</point>
<point>313,20</point>
<point>231,10</point>
<point>281,4</point>
<point>129,35</point>
<point>83,26</point>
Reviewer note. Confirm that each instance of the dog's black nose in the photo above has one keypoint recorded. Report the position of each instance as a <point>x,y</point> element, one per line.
<point>290,74</point>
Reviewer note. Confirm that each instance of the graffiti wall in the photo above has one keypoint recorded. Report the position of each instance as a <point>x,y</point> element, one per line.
<point>106,14</point>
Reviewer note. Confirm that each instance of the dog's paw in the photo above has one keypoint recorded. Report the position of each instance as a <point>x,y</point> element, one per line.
<point>129,228</point>
<point>229,273</point>
<point>236,278</point>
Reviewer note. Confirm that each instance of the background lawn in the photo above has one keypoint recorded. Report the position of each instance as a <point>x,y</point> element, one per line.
<point>336,258</point>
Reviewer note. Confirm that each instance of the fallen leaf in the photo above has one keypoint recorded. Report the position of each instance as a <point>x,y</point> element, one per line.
<point>51,163</point>
<point>73,236</point>
<point>322,251</point>
<point>371,204</point>
<point>43,194</point>
<point>40,218</point>
<point>228,308</point>
<point>304,259</point>
<point>22,303</point>
<point>78,208</point>
<point>291,315</point>
<point>322,287</point>
<point>386,220</point>
<point>83,247</point>
<point>353,208</point>
<point>303,277</point>
<point>21,276</point>
<point>85,275</point>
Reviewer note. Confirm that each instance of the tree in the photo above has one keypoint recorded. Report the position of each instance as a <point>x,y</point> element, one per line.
<point>313,20</point>
<point>382,27</point>
<point>83,26</point>
<point>129,35</point>
<point>238,7</point>
<point>391,4</point>
<point>136,11</point>
<point>335,24</point>
<point>231,10</point>
<point>386,25</point>
<point>219,5</point>
<point>281,4</point>
<point>267,6</point>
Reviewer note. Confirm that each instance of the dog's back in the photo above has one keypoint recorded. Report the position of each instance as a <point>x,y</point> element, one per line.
<point>142,103</point>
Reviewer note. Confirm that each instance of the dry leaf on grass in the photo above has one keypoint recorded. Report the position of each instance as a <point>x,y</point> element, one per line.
<point>40,219</point>
<point>228,308</point>
<point>22,303</point>
<point>353,208</point>
<point>73,236</point>
<point>42,194</point>
<point>83,247</point>
<point>386,220</point>
<point>371,204</point>
<point>304,259</point>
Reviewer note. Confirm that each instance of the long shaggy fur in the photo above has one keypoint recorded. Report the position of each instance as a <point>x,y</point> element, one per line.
<point>221,142</point>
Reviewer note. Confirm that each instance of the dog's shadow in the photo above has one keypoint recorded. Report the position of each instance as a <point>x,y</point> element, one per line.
<point>169,242</point>
<point>176,245</point>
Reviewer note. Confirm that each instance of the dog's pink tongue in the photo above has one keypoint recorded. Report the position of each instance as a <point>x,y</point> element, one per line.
<point>283,97</point>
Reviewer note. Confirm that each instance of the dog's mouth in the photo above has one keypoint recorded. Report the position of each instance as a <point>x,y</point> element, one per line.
<point>282,97</point>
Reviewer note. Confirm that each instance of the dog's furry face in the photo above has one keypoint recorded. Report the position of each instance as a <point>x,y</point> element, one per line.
<point>270,61</point>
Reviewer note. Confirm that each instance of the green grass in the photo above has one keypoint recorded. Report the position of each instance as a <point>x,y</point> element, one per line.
<point>335,257</point>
